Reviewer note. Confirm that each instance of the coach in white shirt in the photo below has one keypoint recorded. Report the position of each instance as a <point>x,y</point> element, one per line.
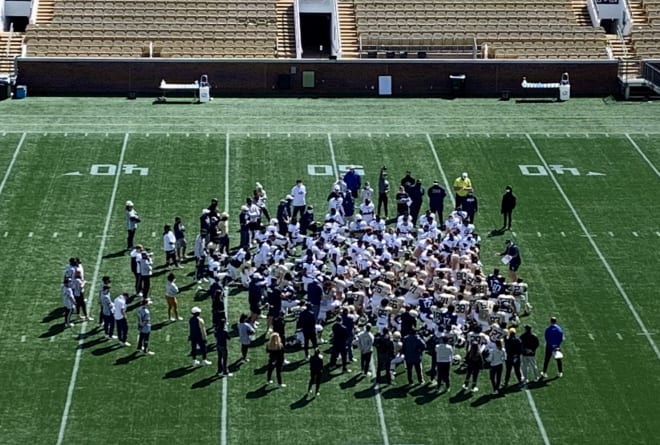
<point>132,220</point>
<point>119,313</point>
<point>299,194</point>
<point>169,246</point>
<point>444,354</point>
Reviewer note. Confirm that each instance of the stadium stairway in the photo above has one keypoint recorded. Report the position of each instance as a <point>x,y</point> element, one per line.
<point>581,12</point>
<point>348,29</point>
<point>623,50</point>
<point>10,47</point>
<point>638,13</point>
<point>45,12</point>
<point>286,35</point>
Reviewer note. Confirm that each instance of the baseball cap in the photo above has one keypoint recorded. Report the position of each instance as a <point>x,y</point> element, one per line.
<point>195,310</point>
<point>512,330</point>
<point>464,175</point>
<point>129,203</point>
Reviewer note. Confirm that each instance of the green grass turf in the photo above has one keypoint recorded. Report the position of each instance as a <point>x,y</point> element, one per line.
<point>607,396</point>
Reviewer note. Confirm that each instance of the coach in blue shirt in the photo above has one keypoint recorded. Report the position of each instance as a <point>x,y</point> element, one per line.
<point>554,335</point>
<point>413,347</point>
<point>353,181</point>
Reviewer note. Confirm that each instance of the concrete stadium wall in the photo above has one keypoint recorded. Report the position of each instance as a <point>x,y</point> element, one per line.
<point>348,78</point>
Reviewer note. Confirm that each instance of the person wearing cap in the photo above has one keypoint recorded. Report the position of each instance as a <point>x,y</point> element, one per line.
<point>146,271</point>
<point>407,181</point>
<point>437,196</point>
<point>462,185</point>
<point>107,308</point>
<point>353,181</point>
<point>283,216</point>
<point>105,281</point>
<point>222,233</point>
<point>306,222</point>
<point>402,202</point>
<point>496,357</point>
<point>169,246</point>
<point>132,220</point>
<point>339,349</point>
<point>513,347</point>
<point>366,192</point>
<point>413,348</point>
<point>136,257</point>
<point>416,193</point>
<point>244,224</point>
<point>69,301</point>
<point>511,255</point>
<point>508,204</point>
<point>299,195</point>
<point>554,336</point>
<point>530,344</point>
<point>383,190</point>
<point>144,327</point>
<point>197,336</point>
<point>119,312</point>
<point>470,205</point>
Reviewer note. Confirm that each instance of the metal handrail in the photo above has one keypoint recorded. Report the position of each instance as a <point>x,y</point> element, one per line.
<point>651,74</point>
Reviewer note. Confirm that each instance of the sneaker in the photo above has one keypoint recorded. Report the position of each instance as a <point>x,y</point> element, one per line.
<point>368,373</point>
<point>561,374</point>
<point>421,382</point>
<point>196,363</point>
<point>318,394</point>
<point>149,353</point>
<point>207,362</point>
<point>106,336</point>
<point>270,382</point>
<point>89,318</point>
<point>140,294</point>
<point>114,337</point>
<point>126,344</point>
<point>286,362</point>
<point>172,319</point>
<point>179,318</point>
<point>464,386</point>
<point>475,389</point>
<point>496,392</point>
<point>68,325</point>
<point>282,385</point>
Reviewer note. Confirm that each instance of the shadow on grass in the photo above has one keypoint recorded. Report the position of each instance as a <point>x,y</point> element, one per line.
<point>54,315</point>
<point>483,400</point>
<point>129,358</point>
<point>352,382</point>
<point>496,232</point>
<point>116,254</point>
<point>53,330</point>
<point>160,325</point>
<point>292,366</point>
<point>107,349</point>
<point>91,343</point>
<point>430,396</point>
<point>460,396</point>
<point>179,372</point>
<point>396,392</point>
<point>366,393</point>
<point>205,382</point>
<point>301,403</point>
<point>261,370</point>
<point>262,391</point>
<point>200,295</point>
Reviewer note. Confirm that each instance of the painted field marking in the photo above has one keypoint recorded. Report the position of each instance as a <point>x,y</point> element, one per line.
<point>223,402</point>
<point>657,233</point>
<point>537,417</point>
<point>167,338</point>
<point>153,234</point>
<point>12,162</point>
<point>538,234</point>
<point>55,234</point>
<point>635,234</point>
<point>591,336</point>
<point>52,339</point>
<point>80,234</point>
<point>97,268</point>
<point>607,266</point>
<point>442,172</point>
<point>332,156</point>
<point>563,234</point>
<point>30,235</point>
<point>23,338</point>
<point>6,233</point>
<point>619,336</point>
<point>611,233</point>
<point>379,405</point>
<point>641,153</point>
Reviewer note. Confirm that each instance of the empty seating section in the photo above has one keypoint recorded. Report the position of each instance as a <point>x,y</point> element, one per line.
<point>182,28</point>
<point>646,38</point>
<point>511,29</point>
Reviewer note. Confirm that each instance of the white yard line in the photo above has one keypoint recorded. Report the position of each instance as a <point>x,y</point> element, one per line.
<point>11,164</point>
<point>379,406</point>
<point>92,291</point>
<point>223,406</point>
<point>332,156</point>
<point>450,191</point>
<point>589,237</point>
<point>641,153</point>
<point>537,417</point>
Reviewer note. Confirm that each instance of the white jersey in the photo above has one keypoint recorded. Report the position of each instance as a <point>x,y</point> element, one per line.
<point>367,211</point>
<point>383,317</point>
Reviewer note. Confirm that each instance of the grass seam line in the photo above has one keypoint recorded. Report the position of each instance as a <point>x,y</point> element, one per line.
<point>225,384</point>
<point>643,155</point>
<point>332,156</point>
<point>450,191</point>
<point>12,162</point>
<point>92,290</point>
<point>607,266</point>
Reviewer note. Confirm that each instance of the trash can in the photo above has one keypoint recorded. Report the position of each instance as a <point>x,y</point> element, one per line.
<point>457,83</point>
<point>21,92</point>
<point>5,90</point>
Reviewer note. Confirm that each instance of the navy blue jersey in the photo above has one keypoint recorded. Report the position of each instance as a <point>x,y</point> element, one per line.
<point>425,305</point>
<point>495,284</point>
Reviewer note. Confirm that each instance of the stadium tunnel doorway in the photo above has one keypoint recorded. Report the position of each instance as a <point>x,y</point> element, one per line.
<point>315,35</point>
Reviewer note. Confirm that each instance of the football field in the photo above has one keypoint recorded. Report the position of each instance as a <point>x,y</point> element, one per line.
<point>587,177</point>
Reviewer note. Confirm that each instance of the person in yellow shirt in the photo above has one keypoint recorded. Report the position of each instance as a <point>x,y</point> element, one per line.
<point>462,186</point>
